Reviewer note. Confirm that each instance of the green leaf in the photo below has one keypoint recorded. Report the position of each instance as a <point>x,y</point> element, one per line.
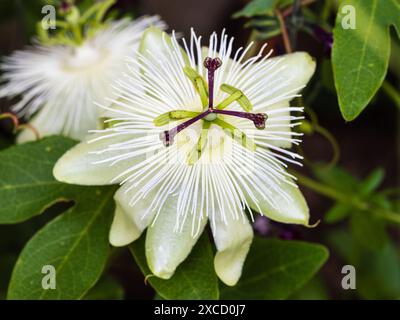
<point>337,178</point>
<point>368,230</point>
<point>337,213</point>
<point>378,272</point>
<point>4,142</point>
<point>195,278</point>
<point>342,243</point>
<point>342,180</point>
<point>360,56</point>
<point>75,244</point>
<point>372,182</point>
<point>378,276</point>
<point>315,289</point>
<point>106,289</point>
<point>256,8</point>
<point>275,269</point>
<point>27,185</point>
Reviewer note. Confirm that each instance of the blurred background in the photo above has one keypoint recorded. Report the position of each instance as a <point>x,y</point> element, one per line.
<point>368,144</point>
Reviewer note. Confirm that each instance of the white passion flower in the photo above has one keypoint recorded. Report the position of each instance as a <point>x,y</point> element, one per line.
<point>198,136</point>
<point>60,84</point>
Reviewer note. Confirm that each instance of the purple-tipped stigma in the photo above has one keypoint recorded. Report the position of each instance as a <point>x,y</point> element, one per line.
<point>258,119</point>
<point>211,65</point>
<point>167,138</point>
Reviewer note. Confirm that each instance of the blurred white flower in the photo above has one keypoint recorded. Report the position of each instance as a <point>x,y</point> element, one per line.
<point>197,137</point>
<point>60,84</point>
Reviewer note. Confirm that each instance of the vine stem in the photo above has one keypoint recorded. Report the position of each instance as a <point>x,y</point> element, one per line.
<point>289,10</point>
<point>333,142</point>
<point>285,35</point>
<point>391,92</point>
<point>344,198</point>
<point>17,125</point>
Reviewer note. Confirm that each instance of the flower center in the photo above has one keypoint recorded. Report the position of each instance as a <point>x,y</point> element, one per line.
<point>210,113</point>
<point>84,57</point>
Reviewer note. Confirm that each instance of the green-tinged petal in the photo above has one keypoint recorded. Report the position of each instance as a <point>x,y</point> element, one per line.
<point>78,165</point>
<point>130,220</point>
<point>154,40</point>
<point>123,230</point>
<point>166,247</point>
<point>292,210</point>
<point>296,70</point>
<point>233,239</point>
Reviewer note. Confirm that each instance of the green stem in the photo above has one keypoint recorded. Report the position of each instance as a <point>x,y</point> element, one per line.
<point>328,191</point>
<point>333,142</point>
<point>388,215</point>
<point>345,198</point>
<point>326,10</point>
<point>391,92</point>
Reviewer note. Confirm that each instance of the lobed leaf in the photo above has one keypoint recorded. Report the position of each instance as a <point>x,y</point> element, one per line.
<point>275,269</point>
<point>75,244</point>
<point>194,279</point>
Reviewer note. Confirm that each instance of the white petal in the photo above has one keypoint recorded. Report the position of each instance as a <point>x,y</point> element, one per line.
<point>298,70</point>
<point>155,41</point>
<point>270,85</point>
<point>152,41</point>
<point>233,240</point>
<point>292,210</point>
<point>123,230</point>
<point>130,220</point>
<point>48,123</point>
<point>166,247</point>
<point>79,164</point>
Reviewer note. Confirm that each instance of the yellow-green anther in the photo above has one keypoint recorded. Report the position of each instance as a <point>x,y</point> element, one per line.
<point>199,84</point>
<point>162,120</point>
<point>235,95</point>
<point>196,152</point>
<point>169,116</point>
<point>182,114</point>
<point>236,133</point>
